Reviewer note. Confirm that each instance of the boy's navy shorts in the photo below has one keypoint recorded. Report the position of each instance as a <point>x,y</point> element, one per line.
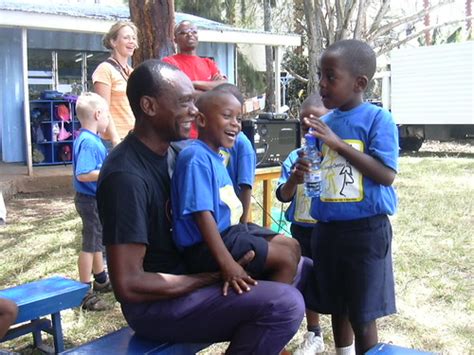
<point>353,269</point>
<point>86,206</point>
<point>238,239</point>
<point>303,235</point>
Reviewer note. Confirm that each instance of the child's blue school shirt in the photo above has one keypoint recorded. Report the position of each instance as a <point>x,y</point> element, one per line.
<point>298,212</point>
<point>89,155</point>
<point>240,161</point>
<point>201,183</point>
<point>347,194</point>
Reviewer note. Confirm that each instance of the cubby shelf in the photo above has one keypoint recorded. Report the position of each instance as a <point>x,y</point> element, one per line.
<point>49,148</point>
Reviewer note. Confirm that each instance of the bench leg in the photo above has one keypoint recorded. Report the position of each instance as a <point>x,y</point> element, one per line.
<point>37,340</point>
<point>57,332</point>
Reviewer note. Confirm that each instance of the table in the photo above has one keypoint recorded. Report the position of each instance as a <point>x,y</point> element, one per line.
<point>266,175</point>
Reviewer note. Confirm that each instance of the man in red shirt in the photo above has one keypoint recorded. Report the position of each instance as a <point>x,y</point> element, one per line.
<point>203,72</point>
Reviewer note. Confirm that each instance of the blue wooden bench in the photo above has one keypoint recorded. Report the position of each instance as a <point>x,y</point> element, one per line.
<point>37,301</point>
<point>390,349</point>
<point>124,341</point>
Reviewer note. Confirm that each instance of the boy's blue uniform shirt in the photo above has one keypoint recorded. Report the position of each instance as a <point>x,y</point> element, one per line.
<point>347,194</point>
<point>299,208</point>
<point>240,161</point>
<point>201,183</point>
<point>89,155</point>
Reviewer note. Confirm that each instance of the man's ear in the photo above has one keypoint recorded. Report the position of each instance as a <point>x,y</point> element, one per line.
<point>200,120</point>
<point>361,83</point>
<point>148,105</point>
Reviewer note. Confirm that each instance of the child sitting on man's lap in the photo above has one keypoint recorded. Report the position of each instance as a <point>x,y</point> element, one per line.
<point>206,210</point>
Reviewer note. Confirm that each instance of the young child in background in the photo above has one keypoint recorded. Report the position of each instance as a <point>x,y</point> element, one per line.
<point>240,160</point>
<point>8,314</point>
<point>290,189</point>
<point>206,211</point>
<point>351,243</point>
<point>89,154</point>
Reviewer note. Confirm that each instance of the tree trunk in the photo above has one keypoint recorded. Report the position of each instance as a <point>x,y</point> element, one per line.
<point>155,22</point>
<point>300,27</point>
<point>315,41</point>
<point>270,105</point>
<point>230,11</point>
<point>426,22</point>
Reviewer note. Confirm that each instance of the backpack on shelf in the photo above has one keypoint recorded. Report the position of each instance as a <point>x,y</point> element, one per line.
<point>65,154</point>
<point>62,112</point>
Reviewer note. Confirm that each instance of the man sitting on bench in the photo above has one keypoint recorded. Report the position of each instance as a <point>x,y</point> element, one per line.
<point>8,313</point>
<point>159,300</point>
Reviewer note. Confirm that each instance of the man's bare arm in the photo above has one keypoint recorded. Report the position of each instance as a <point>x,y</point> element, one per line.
<point>132,284</point>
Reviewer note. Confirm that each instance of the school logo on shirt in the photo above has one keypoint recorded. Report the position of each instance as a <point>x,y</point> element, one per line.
<point>228,196</point>
<point>225,156</point>
<point>341,182</point>
<point>302,206</point>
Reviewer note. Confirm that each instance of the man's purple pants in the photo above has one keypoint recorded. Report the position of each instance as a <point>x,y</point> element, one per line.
<point>261,321</point>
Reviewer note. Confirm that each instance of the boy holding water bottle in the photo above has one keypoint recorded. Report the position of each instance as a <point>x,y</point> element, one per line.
<point>351,243</point>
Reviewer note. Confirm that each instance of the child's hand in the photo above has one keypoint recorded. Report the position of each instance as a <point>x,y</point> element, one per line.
<point>322,131</point>
<point>236,277</point>
<point>300,167</point>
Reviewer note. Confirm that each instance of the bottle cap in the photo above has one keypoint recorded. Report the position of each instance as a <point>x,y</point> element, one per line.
<point>310,139</point>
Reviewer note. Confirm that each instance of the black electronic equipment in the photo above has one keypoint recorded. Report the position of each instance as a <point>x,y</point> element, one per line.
<point>272,140</point>
<point>272,116</point>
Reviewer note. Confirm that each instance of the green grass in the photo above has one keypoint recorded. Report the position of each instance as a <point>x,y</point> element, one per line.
<point>432,247</point>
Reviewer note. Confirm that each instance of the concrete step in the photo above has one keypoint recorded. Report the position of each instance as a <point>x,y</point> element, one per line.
<point>14,179</point>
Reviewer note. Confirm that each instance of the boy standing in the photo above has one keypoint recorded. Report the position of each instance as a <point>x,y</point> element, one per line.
<point>89,154</point>
<point>351,242</point>
<point>205,206</point>
<point>290,189</point>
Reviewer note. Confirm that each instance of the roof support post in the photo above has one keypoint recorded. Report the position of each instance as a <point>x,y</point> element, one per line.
<point>26,101</point>
<point>277,79</point>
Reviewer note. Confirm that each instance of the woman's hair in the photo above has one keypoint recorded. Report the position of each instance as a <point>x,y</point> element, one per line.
<point>114,30</point>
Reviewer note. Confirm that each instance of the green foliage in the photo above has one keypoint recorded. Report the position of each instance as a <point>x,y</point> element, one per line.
<point>209,9</point>
<point>439,37</point>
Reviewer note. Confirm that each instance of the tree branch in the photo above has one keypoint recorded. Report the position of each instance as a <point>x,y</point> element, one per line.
<point>405,20</point>
<point>419,33</point>
<point>295,75</point>
<point>380,15</point>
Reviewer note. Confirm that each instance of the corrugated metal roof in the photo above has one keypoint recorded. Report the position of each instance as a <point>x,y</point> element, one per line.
<point>109,13</point>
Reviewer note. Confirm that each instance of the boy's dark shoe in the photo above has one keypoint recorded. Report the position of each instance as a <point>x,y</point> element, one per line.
<point>102,287</point>
<point>92,302</point>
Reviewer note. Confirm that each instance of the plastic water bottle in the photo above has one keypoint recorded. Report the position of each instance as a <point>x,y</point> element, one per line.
<point>312,179</point>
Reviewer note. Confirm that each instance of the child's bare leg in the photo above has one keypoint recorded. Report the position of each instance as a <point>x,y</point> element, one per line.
<point>312,319</point>
<point>98,263</point>
<point>342,331</point>
<point>8,313</point>
<point>282,259</point>
<point>84,264</point>
<point>365,336</point>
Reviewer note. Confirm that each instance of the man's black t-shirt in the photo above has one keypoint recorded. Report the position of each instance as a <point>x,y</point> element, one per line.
<point>133,198</point>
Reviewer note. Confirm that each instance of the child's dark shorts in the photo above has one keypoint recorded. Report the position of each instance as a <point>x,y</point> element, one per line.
<point>86,206</point>
<point>303,235</point>
<point>353,269</point>
<point>238,239</point>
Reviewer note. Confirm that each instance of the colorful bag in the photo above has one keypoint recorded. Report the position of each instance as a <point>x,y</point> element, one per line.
<point>63,133</point>
<point>65,154</point>
<point>62,112</point>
